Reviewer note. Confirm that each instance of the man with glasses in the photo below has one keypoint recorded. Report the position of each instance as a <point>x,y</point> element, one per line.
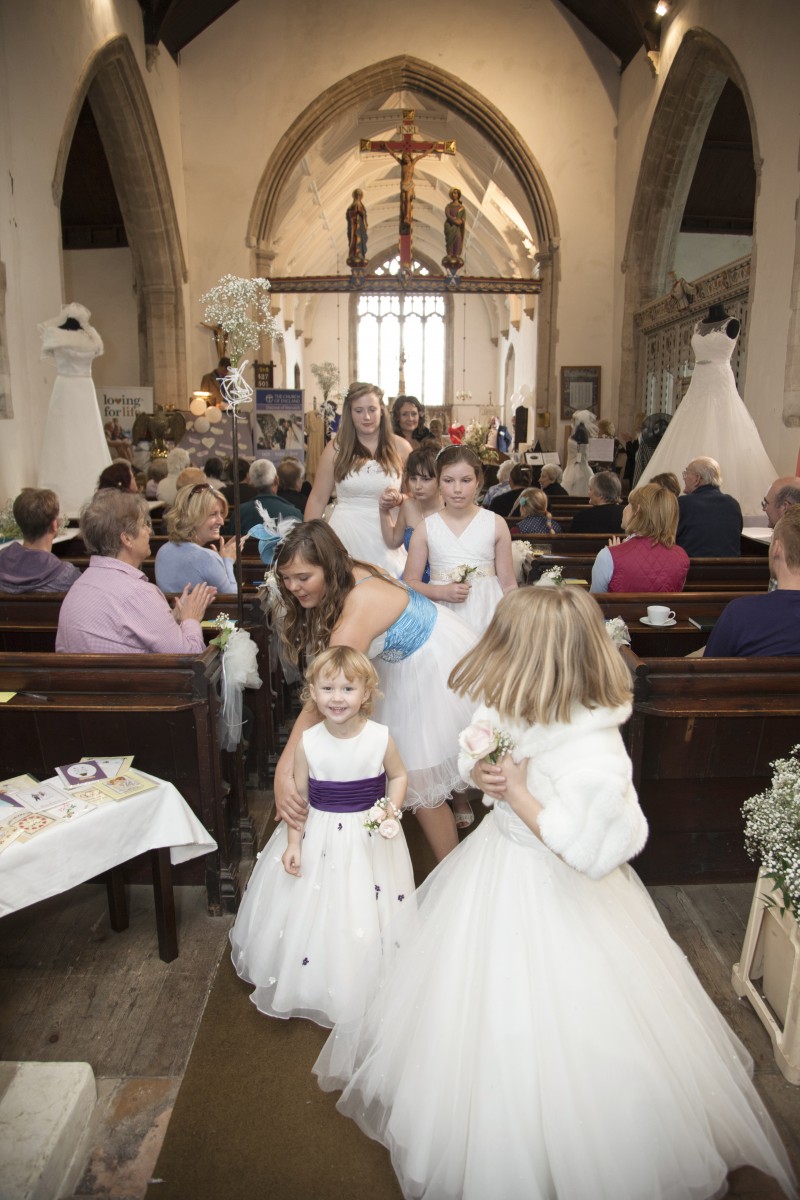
<point>710,522</point>
<point>783,493</point>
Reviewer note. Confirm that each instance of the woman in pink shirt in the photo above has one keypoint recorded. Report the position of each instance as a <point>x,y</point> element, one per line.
<point>115,609</point>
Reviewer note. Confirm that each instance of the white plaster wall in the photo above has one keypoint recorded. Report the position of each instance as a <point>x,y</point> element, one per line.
<point>552,80</point>
<point>764,40</point>
<point>698,254</point>
<point>103,281</point>
<point>44,49</point>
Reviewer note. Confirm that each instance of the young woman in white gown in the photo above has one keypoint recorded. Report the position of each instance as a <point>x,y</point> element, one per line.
<point>309,934</point>
<point>468,547</point>
<point>360,462</point>
<point>74,449</point>
<point>539,1036</point>
<point>712,420</point>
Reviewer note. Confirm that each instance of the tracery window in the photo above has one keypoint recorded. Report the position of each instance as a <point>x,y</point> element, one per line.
<point>403,336</point>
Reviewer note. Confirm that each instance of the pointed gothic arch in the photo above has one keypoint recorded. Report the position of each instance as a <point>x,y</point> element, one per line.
<point>114,87</point>
<point>699,72</point>
<point>407,73</point>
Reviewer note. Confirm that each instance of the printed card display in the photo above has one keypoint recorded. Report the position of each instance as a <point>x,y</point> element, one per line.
<point>77,773</point>
<point>92,793</point>
<point>8,834</point>
<point>129,784</point>
<point>31,823</point>
<point>40,797</point>
<point>10,806</point>
<point>71,808</point>
<point>112,766</point>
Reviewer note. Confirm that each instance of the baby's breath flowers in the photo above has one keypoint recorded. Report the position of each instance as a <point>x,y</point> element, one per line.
<point>240,308</point>
<point>772,830</point>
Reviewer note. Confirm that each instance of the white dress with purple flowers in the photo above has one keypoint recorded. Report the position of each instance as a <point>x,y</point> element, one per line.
<point>314,946</point>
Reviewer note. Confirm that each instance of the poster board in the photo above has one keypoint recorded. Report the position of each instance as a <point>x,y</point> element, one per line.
<point>123,404</point>
<point>279,430</point>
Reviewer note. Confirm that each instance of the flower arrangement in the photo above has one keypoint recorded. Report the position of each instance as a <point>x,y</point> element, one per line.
<point>475,436</point>
<point>240,308</point>
<point>772,830</point>
<point>618,631</point>
<point>226,627</point>
<point>326,375</point>
<point>383,817</point>
<point>461,573</point>
<point>8,526</point>
<point>552,577</point>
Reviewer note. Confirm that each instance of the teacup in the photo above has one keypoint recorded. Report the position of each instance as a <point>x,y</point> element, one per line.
<point>659,614</point>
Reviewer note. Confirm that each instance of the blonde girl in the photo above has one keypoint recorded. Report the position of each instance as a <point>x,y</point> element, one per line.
<point>363,459</point>
<point>309,933</point>
<point>540,987</point>
<point>468,547</point>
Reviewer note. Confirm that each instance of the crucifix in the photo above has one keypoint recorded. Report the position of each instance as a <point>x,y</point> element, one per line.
<point>407,152</point>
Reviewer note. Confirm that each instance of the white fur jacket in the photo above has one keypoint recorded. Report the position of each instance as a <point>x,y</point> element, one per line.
<point>581,775</point>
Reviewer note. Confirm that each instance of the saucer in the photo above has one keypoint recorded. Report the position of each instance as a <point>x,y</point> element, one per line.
<point>657,624</point>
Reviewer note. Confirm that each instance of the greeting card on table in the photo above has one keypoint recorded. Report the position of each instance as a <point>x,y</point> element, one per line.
<point>18,781</point>
<point>30,824</point>
<point>112,766</point>
<point>129,784</point>
<point>77,773</point>
<point>92,793</point>
<point>39,797</point>
<point>8,834</point>
<point>10,806</point>
<point>70,809</point>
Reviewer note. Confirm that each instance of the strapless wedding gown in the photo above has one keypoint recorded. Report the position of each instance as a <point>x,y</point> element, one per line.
<point>356,517</point>
<point>712,420</point>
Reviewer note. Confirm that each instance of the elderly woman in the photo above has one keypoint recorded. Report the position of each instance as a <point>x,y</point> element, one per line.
<point>333,600</point>
<point>533,514</point>
<point>648,560</point>
<point>113,608</point>
<point>550,480</point>
<point>408,420</point>
<point>177,460</point>
<point>193,525</point>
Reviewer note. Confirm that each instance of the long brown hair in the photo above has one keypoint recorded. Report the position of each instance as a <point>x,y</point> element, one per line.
<point>545,651</point>
<point>350,452</point>
<point>310,629</point>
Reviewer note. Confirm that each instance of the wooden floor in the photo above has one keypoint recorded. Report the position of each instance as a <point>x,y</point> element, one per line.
<point>71,990</point>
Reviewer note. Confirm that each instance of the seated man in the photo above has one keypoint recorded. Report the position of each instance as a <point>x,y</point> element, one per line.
<point>291,487</point>
<point>781,495</point>
<point>264,477</point>
<point>603,514</point>
<point>32,567</point>
<point>766,623</point>
<point>710,522</point>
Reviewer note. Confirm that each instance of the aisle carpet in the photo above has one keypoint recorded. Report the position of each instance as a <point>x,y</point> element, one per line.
<point>250,1122</point>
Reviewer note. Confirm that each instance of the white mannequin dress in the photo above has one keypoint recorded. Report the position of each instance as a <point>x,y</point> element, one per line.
<point>712,421</point>
<point>74,449</point>
<point>356,517</point>
<point>475,548</point>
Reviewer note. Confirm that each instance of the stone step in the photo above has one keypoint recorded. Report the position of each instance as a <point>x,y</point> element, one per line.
<point>44,1111</point>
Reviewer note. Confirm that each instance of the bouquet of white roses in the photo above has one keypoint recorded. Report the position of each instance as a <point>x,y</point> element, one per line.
<point>384,817</point>
<point>462,573</point>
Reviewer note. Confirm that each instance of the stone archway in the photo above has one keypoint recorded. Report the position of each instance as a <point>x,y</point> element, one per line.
<point>407,73</point>
<point>696,78</point>
<point>115,90</point>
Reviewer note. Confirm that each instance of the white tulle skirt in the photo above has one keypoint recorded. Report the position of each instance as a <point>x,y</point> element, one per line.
<point>314,946</point>
<point>478,609</point>
<point>540,1037</point>
<point>423,715</point>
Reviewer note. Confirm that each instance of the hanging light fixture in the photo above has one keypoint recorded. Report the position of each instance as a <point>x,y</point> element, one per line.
<point>662,8</point>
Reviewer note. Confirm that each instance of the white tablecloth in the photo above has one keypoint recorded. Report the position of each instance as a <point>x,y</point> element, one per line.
<point>70,852</point>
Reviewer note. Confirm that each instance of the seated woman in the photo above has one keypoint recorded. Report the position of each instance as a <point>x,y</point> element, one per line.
<point>32,566</point>
<point>193,525</point>
<point>534,516</point>
<point>113,608</point>
<point>120,476</point>
<point>648,560</point>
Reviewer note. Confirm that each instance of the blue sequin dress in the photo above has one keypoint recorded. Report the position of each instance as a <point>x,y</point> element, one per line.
<point>413,660</point>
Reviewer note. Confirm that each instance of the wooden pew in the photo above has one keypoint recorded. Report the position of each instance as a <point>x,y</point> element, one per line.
<point>29,621</point>
<point>702,736</point>
<point>672,641</point>
<point>162,708</point>
<point>705,574</point>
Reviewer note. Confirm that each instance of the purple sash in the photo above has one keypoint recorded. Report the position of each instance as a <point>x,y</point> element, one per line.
<point>355,795</point>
